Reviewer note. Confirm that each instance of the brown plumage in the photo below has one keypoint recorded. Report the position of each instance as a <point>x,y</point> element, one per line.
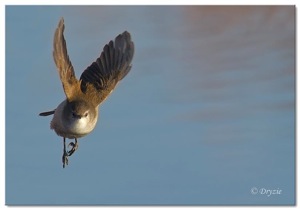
<point>77,116</point>
<point>101,77</point>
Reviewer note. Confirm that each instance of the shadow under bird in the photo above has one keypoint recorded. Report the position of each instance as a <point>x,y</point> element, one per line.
<point>77,115</point>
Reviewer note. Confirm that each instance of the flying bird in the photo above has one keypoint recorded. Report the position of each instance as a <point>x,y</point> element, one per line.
<point>77,115</point>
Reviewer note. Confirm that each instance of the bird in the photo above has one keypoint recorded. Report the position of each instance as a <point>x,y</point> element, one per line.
<point>77,115</point>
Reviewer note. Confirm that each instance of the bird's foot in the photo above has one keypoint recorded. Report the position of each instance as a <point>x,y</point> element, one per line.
<point>65,159</point>
<point>74,147</point>
<point>66,153</point>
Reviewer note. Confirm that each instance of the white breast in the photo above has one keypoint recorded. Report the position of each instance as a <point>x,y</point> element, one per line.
<point>80,126</point>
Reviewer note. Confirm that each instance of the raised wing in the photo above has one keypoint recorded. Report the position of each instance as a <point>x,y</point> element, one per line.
<point>112,66</point>
<point>63,63</point>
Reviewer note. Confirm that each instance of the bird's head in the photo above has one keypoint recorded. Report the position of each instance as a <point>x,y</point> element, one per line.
<point>79,109</point>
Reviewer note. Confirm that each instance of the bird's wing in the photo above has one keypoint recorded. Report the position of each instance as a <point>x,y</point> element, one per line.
<point>114,63</point>
<point>63,63</point>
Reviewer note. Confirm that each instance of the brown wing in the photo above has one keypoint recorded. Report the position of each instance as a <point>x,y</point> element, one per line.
<point>63,63</point>
<point>112,66</point>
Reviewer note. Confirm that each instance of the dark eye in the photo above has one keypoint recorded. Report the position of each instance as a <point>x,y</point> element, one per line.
<point>73,114</point>
<point>86,114</point>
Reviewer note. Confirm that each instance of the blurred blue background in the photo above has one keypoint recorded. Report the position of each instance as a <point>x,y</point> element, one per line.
<point>206,113</point>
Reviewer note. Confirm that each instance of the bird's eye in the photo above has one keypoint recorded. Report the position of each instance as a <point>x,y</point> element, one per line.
<point>86,114</point>
<point>73,114</point>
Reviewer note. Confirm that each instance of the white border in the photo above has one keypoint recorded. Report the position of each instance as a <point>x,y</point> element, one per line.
<point>113,2</point>
<point>150,2</point>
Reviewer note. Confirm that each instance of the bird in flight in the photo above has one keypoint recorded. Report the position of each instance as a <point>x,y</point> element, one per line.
<point>77,115</point>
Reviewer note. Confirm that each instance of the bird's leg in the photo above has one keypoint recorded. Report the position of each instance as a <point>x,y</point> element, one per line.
<point>65,155</point>
<point>74,147</point>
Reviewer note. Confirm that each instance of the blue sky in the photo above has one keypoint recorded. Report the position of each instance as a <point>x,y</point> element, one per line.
<point>206,113</point>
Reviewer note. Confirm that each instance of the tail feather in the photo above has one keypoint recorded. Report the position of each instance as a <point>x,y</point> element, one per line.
<point>47,113</point>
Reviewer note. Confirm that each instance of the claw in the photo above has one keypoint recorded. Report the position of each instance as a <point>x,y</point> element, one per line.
<point>71,144</point>
<point>66,153</point>
<point>74,147</point>
<point>65,159</point>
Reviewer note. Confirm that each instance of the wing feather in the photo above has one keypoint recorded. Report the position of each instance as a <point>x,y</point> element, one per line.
<point>112,66</point>
<point>63,63</point>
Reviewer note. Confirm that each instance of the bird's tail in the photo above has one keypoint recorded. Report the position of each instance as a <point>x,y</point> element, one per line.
<point>47,113</point>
